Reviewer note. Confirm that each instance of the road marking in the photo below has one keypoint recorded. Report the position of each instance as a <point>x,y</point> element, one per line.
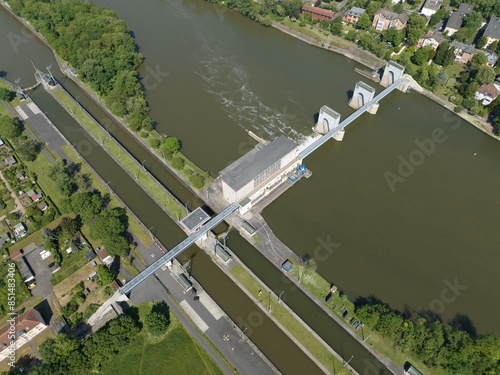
<point>23,115</point>
<point>210,305</point>
<point>202,326</point>
<point>34,108</point>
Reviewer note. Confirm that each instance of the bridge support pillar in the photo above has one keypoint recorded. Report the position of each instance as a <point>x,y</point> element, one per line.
<point>327,120</point>
<point>363,94</point>
<point>392,73</point>
<point>339,136</point>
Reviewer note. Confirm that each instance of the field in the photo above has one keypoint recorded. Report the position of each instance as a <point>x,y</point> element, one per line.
<point>176,351</point>
<point>61,290</point>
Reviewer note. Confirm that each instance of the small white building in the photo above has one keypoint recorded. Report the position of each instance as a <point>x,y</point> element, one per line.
<point>430,7</point>
<point>259,169</point>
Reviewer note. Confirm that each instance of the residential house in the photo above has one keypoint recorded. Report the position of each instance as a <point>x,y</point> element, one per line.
<point>384,19</point>
<point>318,13</point>
<point>430,39</point>
<point>492,58</point>
<point>353,15</point>
<point>19,230</point>
<point>34,196</point>
<point>10,161</point>
<point>23,329</point>
<point>457,18</point>
<point>492,32</point>
<point>106,259</point>
<point>463,52</point>
<point>20,176</point>
<point>430,7</point>
<point>16,254</point>
<point>42,206</point>
<point>487,93</point>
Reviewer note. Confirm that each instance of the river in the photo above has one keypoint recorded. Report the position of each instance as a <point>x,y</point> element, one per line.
<point>227,75</point>
<point>403,247</point>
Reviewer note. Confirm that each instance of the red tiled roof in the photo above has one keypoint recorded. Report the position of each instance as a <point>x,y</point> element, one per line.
<point>16,254</point>
<point>24,322</point>
<point>489,90</point>
<point>323,12</point>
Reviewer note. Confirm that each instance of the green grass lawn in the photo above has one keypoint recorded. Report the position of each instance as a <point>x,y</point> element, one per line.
<point>125,160</point>
<point>315,347</point>
<point>41,167</point>
<point>176,352</point>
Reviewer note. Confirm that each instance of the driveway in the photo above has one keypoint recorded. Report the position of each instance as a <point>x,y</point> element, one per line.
<point>42,273</point>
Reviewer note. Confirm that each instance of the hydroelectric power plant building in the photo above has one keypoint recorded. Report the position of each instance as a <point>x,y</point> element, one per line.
<point>259,170</point>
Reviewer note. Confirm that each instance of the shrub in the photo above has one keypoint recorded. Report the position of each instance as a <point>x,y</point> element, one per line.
<point>155,143</point>
<point>197,181</point>
<point>177,162</point>
<point>172,145</point>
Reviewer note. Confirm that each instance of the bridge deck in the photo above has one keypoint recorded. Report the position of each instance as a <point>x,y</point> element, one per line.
<point>320,141</point>
<point>179,248</point>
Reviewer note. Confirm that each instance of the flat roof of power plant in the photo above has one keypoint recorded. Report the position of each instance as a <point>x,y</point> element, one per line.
<point>195,219</point>
<point>245,169</point>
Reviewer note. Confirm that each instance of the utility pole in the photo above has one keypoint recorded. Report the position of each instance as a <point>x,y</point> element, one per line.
<point>136,173</point>
<point>186,206</point>
<point>269,310</point>
<point>109,135</point>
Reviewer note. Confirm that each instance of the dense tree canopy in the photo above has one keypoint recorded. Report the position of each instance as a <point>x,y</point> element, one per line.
<point>436,344</point>
<point>105,274</point>
<point>10,127</point>
<point>98,45</point>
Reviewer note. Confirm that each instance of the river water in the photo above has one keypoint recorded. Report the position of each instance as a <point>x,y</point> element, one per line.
<point>404,245</point>
<point>211,74</point>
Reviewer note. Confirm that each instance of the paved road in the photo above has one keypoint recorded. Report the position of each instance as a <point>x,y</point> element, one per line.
<point>204,313</point>
<point>36,120</point>
<point>42,273</point>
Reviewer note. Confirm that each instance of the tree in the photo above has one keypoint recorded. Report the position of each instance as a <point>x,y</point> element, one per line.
<point>443,77</point>
<point>481,42</point>
<point>436,17</point>
<point>10,127</point>
<point>398,8</point>
<point>415,28</point>
<point>197,181</point>
<point>26,149</point>
<point>157,321</point>
<point>86,204</point>
<point>372,8</point>
<point>105,274</point>
<point>420,57</point>
<point>336,27</point>
<point>172,145</point>
<point>485,74</point>
<point>449,57</point>
<point>117,245</point>
<point>479,59</point>
<point>6,94</point>
<point>107,225</point>
<point>393,35</point>
<point>364,22</point>
<point>69,225</point>
<point>177,163</point>
<point>472,21</point>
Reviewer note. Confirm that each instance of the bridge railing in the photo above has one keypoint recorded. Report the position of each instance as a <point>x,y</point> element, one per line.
<point>324,138</point>
<point>190,240</point>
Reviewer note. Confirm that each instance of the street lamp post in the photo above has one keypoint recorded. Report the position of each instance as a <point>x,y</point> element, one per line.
<point>279,297</point>
<point>76,151</point>
<point>144,167</point>
<point>151,234</point>
<point>348,361</point>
